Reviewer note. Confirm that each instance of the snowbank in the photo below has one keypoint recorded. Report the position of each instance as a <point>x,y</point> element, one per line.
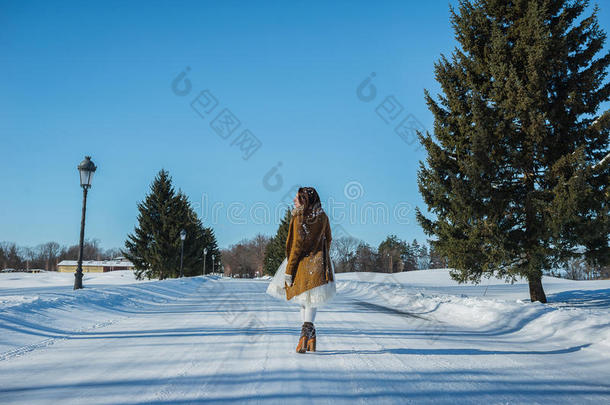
<point>54,278</point>
<point>578,311</point>
<point>45,306</point>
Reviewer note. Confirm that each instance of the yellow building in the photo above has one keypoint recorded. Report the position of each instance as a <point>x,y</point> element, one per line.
<point>95,266</point>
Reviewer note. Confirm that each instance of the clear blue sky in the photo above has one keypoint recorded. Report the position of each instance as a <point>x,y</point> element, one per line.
<point>95,78</point>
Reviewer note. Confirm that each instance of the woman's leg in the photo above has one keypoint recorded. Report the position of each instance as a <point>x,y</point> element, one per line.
<point>302,346</point>
<point>308,313</point>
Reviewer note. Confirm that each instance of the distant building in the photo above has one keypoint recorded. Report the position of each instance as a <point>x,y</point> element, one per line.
<point>22,270</point>
<point>96,266</point>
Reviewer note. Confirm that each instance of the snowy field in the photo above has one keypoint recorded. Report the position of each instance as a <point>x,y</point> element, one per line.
<point>414,337</point>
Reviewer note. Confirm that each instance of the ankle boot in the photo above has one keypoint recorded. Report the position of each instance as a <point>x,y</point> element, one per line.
<point>311,339</point>
<point>302,346</point>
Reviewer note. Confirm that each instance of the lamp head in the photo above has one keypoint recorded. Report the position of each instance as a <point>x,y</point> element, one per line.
<point>86,170</point>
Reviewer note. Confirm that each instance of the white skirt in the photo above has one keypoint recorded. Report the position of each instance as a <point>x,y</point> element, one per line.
<point>314,297</point>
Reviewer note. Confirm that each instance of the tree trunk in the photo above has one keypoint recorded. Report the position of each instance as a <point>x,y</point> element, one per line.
<point>536,290</point>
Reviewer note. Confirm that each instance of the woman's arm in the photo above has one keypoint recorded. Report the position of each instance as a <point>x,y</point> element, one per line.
<point>294,245</point>
<point>327,233</point>
<point>289,238</point>
<point>329,238</point>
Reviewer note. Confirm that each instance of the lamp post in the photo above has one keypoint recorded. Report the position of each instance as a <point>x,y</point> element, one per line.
<point>205,252</point>
<point>182,238</point>
<point>86,170</point>
<point>213,264</point>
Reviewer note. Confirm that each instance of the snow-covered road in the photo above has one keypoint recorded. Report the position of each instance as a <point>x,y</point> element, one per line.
<point>226,341</point>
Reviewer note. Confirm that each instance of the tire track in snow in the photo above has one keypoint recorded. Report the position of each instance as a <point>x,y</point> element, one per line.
<point>263,344</point>
<point>347,368</point>
<point>423,361</point>
<point>372,366</point>
<point>20,351</point>
<point>455,371</point>
<point>172,389</point>
<point>45,343</point>
<point>213,378</point>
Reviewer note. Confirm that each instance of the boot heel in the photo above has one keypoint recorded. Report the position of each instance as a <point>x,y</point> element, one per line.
<point>311,344</point>
<point>303,344</point>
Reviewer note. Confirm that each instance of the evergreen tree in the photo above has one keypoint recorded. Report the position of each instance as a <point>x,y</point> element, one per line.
<point>423,259</point>
<point>209,241</point>
<point>394,254</point>
<point>414,255</point>
<point>275,252</point>
<point>198,238</point>
<point>437,261</point>
<point>3,257</point>
<point>154,247</point>
<point>365,259</point>
<point>516,178</point>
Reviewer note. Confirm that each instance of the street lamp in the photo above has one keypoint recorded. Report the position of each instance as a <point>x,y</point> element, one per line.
<point>213,264</point>
<point>86,170</point>
<point>205,252</point>
<point>182,238</point>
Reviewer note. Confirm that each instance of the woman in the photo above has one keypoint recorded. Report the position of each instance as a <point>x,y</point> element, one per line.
<point>306,277</point>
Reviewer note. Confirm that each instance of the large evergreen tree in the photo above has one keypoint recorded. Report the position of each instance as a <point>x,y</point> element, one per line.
<point>515,177</point>
<point>154,247</point>
<point>275,252</point>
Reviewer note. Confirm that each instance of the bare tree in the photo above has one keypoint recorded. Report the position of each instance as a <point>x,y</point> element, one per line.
<point>12,256</point>
<point>259,243</point>
<point>246,258</point>
<point>49,252</point>
<point>91,251</point>
<point>575,269</point>
<point>342,252</point>
<point>112,253</point>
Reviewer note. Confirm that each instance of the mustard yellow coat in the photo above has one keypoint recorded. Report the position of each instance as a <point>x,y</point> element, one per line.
<point>307,251</point>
